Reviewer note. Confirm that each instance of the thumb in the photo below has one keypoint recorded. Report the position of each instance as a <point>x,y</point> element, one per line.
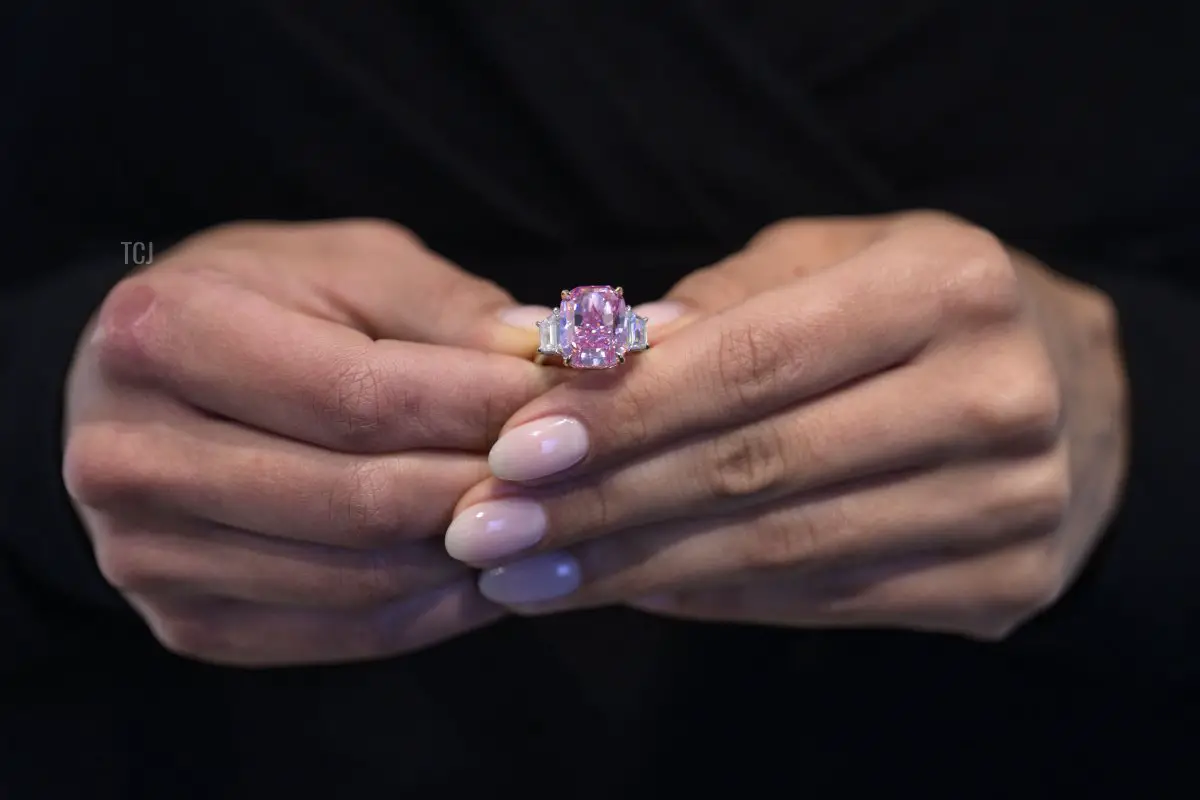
<point>460,309</point>
<point>380,278</point>
<point>450,306</point>
<point>438,302</point>
<point>704,292</point>
<point>411,293</point>
<point>513,329</point>
<point>777,255</point>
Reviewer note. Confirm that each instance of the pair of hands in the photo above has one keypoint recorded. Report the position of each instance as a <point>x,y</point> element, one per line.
<point>885,421</point>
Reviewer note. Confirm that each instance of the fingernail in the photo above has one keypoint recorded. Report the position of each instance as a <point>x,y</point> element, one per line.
<point>661,312</point>
<point>539,448</point>
<point>534,580</point>
<point>524,316</point>
<point>495,529</point>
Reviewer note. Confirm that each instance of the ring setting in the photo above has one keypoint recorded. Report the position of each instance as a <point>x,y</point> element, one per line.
<point>592,328</point>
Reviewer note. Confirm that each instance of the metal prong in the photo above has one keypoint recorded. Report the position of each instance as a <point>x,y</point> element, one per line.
<point>619,291</point>
<point>621,357</point>
<point>564,294</point>
<point>566,361</point>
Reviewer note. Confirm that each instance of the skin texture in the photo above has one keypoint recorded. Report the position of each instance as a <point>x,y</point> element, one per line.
<point>892,421</point>
<point>265,440</point>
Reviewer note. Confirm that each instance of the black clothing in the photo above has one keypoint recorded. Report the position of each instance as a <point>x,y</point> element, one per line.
<point>618,142</point>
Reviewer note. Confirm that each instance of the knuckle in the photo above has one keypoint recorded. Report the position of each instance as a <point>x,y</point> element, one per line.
<point>123,566</point>
<point>353,404</point>
<point>951,234</point>
<point>1105,319</point>
<point>591,508</point>
<point>992,629</point>
<point>495,408</point>
<point>238,233</point>
<point>975,273</point>
<point>226,263</point>
<point>1101,323</point>
<point>358,504</point>
<point>128,334</point>
<point>818,241</point>
<point>374,581</point>
<point>777,541</point>
<point>1033,582</point>
<point>1027,405</point>
<point>631,407</point>
<point>785,231</point>
<point>930,218</point>
<point>584,513</point>
<point>712,284</point>
<point>747,363</point>
<point>1045,499</point>
<point>191,634</point>
<point>747,462</point>
<point>103,466</point>
<point>381,230</point>
<point>385,629</point>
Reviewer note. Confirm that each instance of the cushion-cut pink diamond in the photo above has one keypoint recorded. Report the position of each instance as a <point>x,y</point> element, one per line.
<point>593,327</point>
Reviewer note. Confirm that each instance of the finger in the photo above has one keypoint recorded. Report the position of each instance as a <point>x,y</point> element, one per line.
<point>248,635</point>
<point>236,354</point>
<point>776,349</point>
<point>971,507</point>
<point>776,255</point>
<point>370,274</point>
<point>212,561</point>
<point>862,431</point>
<point>981,595</point>
<point>163,463</point>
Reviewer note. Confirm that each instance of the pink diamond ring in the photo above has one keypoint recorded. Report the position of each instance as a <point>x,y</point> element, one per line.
<point>592,328</point>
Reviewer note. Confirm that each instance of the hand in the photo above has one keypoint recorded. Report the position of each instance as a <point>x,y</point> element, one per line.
<point>264,429</point>
<point>891,422</point>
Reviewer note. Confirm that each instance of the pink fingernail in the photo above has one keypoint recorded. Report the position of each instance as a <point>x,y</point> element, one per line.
<point>495,529</point>
<point>537,579</point>
<point>539,448</point>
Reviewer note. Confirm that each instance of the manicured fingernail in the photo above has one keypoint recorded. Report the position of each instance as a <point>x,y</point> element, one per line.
<point>495,529</point>
<point>524,316</point>
<point>661,312</point>
<point>539,448</point>
<point>534,580</point>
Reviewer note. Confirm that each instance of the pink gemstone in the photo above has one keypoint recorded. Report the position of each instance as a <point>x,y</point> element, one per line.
<point>593,334</point>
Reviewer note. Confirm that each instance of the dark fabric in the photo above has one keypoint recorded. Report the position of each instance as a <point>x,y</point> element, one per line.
<point>618,142</point>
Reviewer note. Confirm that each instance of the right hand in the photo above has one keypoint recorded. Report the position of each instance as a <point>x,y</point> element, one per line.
<point>266,433</point>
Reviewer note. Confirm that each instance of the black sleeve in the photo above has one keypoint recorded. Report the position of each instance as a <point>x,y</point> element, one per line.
<point>1136,606</point>
<point>78,167</point>
<point>46,564</point>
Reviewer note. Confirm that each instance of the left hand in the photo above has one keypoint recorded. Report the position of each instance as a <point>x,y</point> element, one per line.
<point>878,422</point>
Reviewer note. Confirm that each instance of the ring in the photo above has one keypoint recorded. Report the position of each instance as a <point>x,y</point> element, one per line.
<point>592,328</point>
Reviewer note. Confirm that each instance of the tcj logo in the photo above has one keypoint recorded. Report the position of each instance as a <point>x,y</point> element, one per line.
<point>140,253</point>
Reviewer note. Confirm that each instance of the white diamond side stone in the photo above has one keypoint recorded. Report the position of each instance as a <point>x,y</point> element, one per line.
<point>548,335</point>
<point>636,329</point>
